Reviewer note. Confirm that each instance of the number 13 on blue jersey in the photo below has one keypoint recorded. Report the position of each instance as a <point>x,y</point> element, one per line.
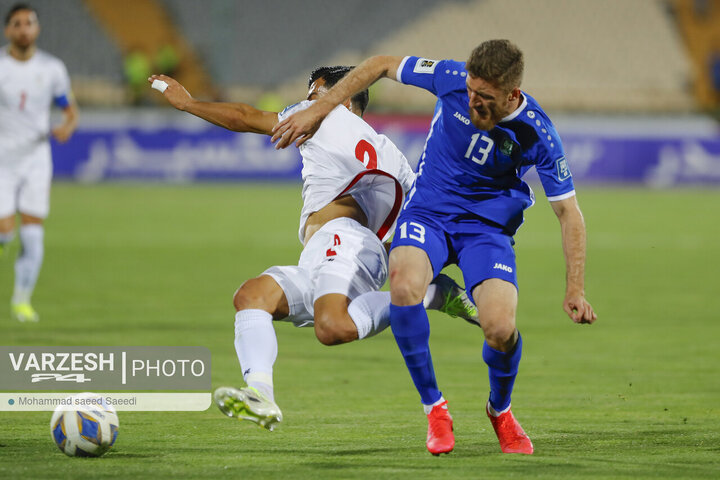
<point>417,231</point>
<point>485,151</point>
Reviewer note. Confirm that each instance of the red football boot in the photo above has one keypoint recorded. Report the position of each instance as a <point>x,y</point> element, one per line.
<point>512,437</point>
<point>440,438</point>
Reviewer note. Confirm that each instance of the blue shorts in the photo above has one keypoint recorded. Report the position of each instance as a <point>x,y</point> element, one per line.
<point>481,251</point>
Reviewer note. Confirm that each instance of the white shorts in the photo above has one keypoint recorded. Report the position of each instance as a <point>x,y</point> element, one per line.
<point>25,184</point>
<point>342,257</point>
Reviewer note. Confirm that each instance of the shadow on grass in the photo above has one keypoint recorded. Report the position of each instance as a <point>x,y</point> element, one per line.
<point>361,451</point>
<point>125,456</point>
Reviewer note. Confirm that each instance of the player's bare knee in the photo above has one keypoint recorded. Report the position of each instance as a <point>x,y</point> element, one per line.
<point>405,289</point>
<point>334,328</point>
<point>250,295</point>
<point>26,219</point>
<point>500,335</point>
<point>327,335</point>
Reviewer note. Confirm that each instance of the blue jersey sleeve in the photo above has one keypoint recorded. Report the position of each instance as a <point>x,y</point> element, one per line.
<point>435,76</point>
<point>551,164</point>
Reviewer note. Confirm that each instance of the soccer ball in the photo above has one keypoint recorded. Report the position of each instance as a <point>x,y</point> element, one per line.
<point>85,425</point>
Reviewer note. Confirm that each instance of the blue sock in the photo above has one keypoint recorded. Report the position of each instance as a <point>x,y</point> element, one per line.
<point>502,370</point>
<point>411,328</point>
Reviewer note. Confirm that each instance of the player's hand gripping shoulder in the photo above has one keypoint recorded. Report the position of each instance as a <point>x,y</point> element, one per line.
<point>300,126</point>
<point>175,93</point>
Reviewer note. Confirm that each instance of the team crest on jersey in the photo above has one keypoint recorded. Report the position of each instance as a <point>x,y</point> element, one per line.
<point>507,146</point>
<point>288,110</point>
<point>423,65</point>
<point>563,169</point>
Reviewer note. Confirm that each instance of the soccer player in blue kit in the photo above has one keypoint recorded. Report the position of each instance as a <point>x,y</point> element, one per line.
<point>465,207</point>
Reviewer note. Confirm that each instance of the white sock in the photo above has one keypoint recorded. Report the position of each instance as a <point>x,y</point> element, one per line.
<point>28,263</point>
<point>434,298</point>
<point>256,347</point>
<point>428,408</point>
<point>371,313</point>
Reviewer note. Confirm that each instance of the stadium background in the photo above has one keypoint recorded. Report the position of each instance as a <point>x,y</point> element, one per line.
<point>625,94</point>
<point>158,216</point>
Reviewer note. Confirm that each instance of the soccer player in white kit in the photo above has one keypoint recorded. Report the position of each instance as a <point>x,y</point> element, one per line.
<point>31,80</point>
<point>354,183</point>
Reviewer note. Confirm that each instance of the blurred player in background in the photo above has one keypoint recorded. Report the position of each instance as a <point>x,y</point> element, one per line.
<point>466,206</point>
<point>31,80</point>
<point>354,183</point>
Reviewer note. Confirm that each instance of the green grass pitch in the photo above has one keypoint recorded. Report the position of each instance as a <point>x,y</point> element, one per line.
<point>637,395</point>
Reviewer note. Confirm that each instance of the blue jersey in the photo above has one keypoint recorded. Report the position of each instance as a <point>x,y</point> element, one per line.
<point>465,172</point>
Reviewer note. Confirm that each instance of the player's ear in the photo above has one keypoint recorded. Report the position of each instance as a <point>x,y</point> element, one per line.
<point>514,94</point>
<point>349,105</point>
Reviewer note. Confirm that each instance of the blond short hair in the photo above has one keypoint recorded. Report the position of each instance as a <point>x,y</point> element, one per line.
<point>499,62</point>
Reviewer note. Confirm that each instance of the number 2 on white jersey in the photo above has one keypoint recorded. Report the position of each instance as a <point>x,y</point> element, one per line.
<point>417,233</point>
<point>363,148</point>
<point>484,150</point>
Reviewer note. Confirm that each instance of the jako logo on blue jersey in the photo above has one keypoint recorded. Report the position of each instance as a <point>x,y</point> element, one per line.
<point>460,117</point>
<point>500,266</point>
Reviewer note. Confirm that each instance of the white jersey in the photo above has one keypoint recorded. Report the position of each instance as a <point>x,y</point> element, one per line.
<point>27,91</point>
<point>347,156</point>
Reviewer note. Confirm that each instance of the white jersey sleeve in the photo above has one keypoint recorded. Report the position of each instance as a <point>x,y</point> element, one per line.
<point>61,82</point>
<point>347,157</point>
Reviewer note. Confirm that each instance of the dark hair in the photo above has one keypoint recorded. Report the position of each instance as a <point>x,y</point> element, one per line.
<point>16,8</point>
<point>499,62</point>
<point>332,75</point>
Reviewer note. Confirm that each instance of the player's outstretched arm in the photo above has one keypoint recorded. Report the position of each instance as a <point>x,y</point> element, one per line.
<point>301,126</point>
<point>64,131</point>
<point>572,226</point>
<point>238,117</point>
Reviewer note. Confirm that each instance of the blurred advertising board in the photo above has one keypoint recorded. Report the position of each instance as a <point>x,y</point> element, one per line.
<point>169,146</point>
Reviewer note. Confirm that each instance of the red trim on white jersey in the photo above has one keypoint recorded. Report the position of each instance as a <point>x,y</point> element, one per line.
<point>392,216</point>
